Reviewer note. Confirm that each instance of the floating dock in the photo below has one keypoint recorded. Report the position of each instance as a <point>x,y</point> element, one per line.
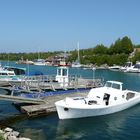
<point>43,102</point>
<point>43,91</point>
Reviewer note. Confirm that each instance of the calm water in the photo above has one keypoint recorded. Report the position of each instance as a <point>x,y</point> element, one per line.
<point>119,126</point>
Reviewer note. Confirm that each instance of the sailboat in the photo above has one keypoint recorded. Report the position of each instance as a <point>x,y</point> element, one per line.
<point>39,62</point>
<point>77,63</point>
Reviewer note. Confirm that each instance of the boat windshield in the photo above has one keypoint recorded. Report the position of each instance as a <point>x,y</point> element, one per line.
<point>137,66</point>
<point>108,84</point>
<point>113,85</point>
<point>128,64</point>
<point>116,86</point>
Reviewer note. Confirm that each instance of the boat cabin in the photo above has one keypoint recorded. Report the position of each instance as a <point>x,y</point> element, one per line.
<point>17,70</point>
<point>62,76</point>
<point>111,93</point>
<point>128,64</point>
<point>7,73</point>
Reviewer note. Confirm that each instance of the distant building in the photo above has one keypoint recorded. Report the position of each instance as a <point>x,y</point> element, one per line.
<point>58,60</point>
<point>137,49</point>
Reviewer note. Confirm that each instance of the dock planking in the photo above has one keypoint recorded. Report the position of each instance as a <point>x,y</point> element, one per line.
<point>49,105</point>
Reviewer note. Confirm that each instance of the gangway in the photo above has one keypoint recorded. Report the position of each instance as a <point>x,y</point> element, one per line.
<point>21,99</point>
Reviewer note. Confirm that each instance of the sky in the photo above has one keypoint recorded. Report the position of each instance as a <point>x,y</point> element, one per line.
<point>57,25</point>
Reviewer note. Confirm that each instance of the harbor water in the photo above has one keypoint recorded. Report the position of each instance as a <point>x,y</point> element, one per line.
<point>123,125</point>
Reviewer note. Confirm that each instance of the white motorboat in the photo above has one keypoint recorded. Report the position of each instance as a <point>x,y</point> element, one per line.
<point>135,68</point>
<point>8,76</point>
<point>100,101</point>
<point>127,66</point>
<point>115,68</point>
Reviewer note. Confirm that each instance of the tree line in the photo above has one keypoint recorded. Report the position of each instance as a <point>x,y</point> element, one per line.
<point>26,56</point>
<point>117,53</point>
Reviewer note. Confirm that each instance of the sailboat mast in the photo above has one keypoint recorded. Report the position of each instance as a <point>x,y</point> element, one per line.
<point>38,53</point>
<point>78,52</point>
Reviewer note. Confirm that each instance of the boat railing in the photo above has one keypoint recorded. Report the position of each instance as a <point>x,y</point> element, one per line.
<point>49,82</point>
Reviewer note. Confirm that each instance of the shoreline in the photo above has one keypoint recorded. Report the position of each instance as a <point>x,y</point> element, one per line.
<point>10,134</point>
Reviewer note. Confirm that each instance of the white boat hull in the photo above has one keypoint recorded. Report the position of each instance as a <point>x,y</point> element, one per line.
<point>40,64</point>
<point>66,112</point>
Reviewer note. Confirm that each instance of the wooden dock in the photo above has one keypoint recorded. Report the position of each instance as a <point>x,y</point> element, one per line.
<point>49,105</point>
<point>39,87</point>
<point>42,105</point>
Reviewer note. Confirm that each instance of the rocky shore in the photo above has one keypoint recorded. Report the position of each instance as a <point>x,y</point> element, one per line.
<point>10,134</point>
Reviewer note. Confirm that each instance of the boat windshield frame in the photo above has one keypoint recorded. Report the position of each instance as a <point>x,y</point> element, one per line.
<point>113,85</point>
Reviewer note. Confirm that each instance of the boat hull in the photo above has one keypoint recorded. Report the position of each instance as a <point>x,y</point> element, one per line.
<point>67,112</point>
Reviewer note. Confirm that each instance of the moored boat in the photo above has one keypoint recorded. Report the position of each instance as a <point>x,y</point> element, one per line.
<point>100,101</point>
<point>135,68</point>
<point>127,66</point>
<point>115,68</point>
<point>10,75</point>
<point>6,76</point>
<point>77,63</point>
<point>40,62</point>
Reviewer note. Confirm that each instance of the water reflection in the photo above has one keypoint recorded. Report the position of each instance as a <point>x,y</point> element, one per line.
<point>38,128</point>
<point>34,134</point>
<point>121,125</point>
<point>104,127</point>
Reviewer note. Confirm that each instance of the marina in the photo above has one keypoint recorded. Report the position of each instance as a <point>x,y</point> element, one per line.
<point>39,93</point>
<point>43,124</point>
<point>69,70</point>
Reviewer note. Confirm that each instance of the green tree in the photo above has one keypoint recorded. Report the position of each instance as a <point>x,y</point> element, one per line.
<point>116,47</point>
<point>123,45</point>
<point>126,45</point>
<point>100,49</point>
